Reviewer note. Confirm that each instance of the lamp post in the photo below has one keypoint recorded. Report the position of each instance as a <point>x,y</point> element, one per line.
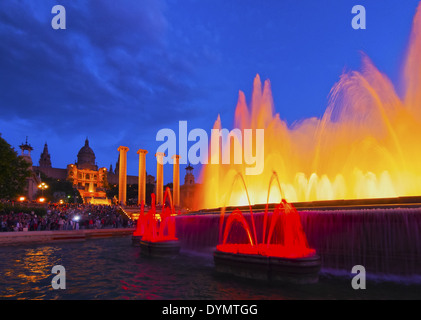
<point>42,186</point>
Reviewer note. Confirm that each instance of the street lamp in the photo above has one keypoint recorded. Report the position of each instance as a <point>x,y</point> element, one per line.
<point>42,186</point>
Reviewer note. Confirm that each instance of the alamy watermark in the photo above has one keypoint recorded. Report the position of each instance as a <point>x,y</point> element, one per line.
<point>226,147</point>
<point>358,281</point>
<point>59,20</point>
<point>359,20</point>
<point>59,281</point>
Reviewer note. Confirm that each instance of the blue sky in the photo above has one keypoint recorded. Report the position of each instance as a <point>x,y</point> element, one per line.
<point>122,70</point>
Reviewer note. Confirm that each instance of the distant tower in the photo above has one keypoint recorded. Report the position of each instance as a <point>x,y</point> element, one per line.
<point>45,159</point>
<point>188,189</point>
<point>31,181</point>
<point>28,148</point>
<point>189,178</point>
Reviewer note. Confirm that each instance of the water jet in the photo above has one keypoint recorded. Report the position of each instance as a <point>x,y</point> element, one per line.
<point>159,239</point>
<point>282,254</point>
<point>140,227</point>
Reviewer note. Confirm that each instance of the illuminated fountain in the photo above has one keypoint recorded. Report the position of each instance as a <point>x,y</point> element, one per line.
<point>280,252</point>
<point>159,239</point>
<point>140,226</point>
<point>364,146</point>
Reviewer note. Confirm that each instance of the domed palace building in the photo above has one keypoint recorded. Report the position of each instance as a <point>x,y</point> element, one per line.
<point>84,174</point>
<point>93,182</point>
<point>90,181</point>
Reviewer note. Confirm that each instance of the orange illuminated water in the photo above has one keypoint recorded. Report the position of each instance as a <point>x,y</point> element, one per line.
<point>366,145</point>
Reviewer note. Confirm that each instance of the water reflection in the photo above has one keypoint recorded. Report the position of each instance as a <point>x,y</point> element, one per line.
<point>27,271</point>
<point>114,269</point>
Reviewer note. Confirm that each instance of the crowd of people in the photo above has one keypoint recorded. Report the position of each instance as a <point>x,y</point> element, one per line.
<point>66,217</point>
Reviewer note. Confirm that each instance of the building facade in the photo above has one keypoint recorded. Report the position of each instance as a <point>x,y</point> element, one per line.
<point>33,180</point>
<point>188,190</point>
<point>92,181</point>
<point>87,178</point>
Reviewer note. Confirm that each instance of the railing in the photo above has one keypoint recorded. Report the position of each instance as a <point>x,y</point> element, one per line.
<point>128,215</point>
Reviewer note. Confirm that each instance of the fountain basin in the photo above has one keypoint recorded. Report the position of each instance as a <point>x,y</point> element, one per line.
<point>258,267</point>
<point>162,249</point>
<point>136,240</point>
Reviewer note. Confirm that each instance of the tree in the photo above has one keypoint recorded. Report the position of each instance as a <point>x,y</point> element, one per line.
<point>56,187</point>
<point>13,172</point>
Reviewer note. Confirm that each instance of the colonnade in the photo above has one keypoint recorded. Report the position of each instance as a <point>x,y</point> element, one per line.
<point>122,178</point>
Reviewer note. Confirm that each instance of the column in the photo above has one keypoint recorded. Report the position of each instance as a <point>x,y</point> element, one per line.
<point>141,196</point>
<point>159,177</point>
<point>176,180</point>
<point>122,175</point>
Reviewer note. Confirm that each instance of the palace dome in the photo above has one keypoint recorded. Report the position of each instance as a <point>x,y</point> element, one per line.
<point>86,157</point>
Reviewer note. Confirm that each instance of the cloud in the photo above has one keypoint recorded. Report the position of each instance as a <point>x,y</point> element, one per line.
<point>110,66</point>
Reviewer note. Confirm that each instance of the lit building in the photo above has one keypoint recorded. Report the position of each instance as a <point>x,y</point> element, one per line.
<point>33,180</point>
<point>188,189</point>
<point>45,159</point>
<point>90,181</point>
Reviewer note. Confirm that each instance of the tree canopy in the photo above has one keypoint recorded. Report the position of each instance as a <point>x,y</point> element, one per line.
<point>13,172</point>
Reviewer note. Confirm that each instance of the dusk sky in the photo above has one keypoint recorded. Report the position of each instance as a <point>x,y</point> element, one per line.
<point>122,70</point>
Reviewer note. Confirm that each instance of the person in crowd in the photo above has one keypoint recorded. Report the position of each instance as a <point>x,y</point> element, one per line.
<point>65,217</point>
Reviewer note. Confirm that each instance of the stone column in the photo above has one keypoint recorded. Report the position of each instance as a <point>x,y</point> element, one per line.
<point>159,177</point>
<point>141,196</point>
<point>122,175</point>
<point>176,180</point>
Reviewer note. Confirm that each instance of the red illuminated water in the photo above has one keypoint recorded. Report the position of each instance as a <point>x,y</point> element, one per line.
<point>158,227</point>
<point>282,235</point>
<point>140,226</point>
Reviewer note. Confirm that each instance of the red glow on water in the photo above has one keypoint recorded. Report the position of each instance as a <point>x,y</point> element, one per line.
<point>271,250</point>
<point>158,227</point>
<point>284,238</point>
